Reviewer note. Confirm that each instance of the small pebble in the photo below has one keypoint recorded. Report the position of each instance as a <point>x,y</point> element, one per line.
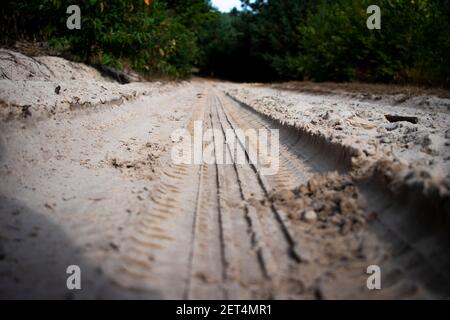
<point>310,216</point>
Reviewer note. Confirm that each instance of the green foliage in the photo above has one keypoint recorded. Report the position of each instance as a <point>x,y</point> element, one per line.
<point>146,37</point>
<point>329,40</point>
<point>274,33</point>
<point>154,39</point>
<point>268,40</point>
<point>410,47</point>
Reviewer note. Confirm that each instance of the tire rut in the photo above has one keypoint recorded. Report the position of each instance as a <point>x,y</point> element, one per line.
<point>213,231</point>
<point>420,274</point>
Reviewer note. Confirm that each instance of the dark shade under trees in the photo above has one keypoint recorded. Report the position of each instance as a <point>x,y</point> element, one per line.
<point>267,40</point>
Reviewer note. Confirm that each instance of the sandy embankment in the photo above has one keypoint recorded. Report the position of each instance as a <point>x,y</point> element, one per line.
<point>43,86</point>
<point>87,179</point>
<point>411,154</point>
<point>78,155</point>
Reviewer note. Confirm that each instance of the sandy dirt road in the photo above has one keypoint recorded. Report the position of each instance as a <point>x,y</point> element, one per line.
<point>99,189</point>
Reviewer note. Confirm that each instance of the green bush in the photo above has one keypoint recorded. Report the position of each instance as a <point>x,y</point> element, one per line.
<point>267,41</point>
<point>113,32</point>
<point>117,31</point>
<point>410,47</point>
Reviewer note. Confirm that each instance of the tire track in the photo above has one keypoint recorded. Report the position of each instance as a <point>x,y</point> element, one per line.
<point>207,262</point>
<point>212,231</point>
<point>245,273</point>
<point>415,267</point>
<point>280,216</point>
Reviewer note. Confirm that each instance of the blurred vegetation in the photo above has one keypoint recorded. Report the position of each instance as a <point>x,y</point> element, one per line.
<point>267,40</point>
<point>412,45</point>
<point>157,39</point>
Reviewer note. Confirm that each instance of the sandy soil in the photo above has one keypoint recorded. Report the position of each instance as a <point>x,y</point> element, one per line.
<point>398,93</point>
<point>87,178</point>
<point>43,86</point>
<point>422,149</point>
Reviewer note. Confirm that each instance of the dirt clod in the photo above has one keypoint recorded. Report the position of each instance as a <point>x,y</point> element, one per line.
<point>334,197</point>
<point>396,118</point>
<point>310,216</point>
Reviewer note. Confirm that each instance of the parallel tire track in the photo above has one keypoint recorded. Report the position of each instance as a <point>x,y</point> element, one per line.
<point>231,241</point>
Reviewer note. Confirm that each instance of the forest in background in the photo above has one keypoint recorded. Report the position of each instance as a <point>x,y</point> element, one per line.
<point>268,40</point>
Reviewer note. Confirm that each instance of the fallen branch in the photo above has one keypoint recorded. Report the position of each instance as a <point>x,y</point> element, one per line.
<point>396,118</point>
